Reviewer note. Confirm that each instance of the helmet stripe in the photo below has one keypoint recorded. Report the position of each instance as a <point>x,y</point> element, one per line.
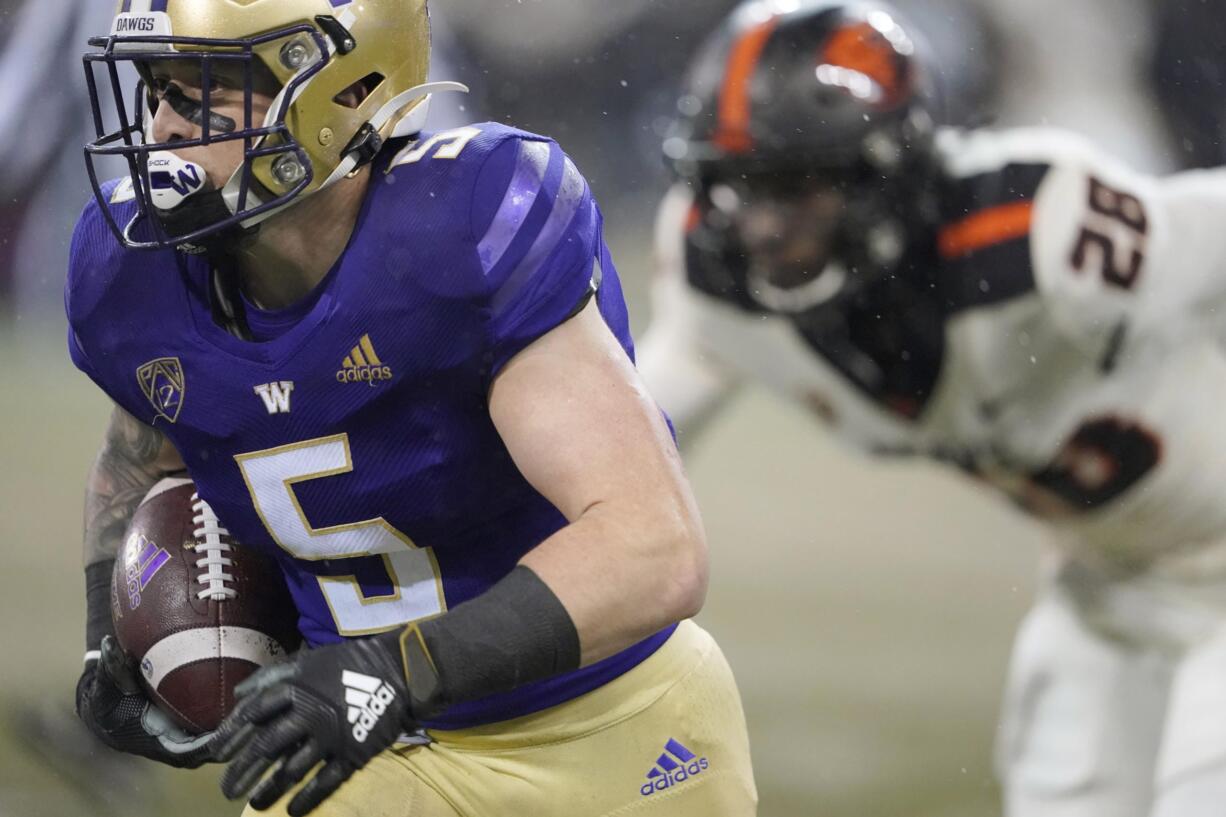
<point>733,134</point>
<point>158,5</point>
<point>864,49</point>
<point>994,225</point>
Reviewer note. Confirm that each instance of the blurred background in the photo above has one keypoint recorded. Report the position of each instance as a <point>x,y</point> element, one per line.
<point>867,608</point>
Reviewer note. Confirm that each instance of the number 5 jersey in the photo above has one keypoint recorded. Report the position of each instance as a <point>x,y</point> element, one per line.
<point>351,437</point>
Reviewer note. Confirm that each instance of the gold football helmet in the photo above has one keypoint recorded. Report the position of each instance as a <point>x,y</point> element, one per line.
<point>315,49</point>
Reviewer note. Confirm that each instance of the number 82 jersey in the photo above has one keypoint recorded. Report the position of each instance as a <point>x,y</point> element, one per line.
<point>351,438</point>
<point>1078,365</point>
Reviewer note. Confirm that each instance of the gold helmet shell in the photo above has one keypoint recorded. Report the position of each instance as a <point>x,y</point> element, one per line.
<point>315,49</point>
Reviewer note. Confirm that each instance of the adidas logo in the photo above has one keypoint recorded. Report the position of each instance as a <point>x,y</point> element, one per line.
<point>142,560</point>
<point>362,365</point>
<point>367,699</point>
<point>676,765</point>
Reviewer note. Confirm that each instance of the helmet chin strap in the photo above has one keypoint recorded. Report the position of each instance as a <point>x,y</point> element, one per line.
<point>410,125</point>
<point>415,121</point>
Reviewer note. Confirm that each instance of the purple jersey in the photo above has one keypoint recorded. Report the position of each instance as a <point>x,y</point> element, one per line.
<point>354,442</point>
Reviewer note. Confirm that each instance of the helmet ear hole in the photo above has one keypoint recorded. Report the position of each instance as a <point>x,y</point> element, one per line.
<point>356,94</point>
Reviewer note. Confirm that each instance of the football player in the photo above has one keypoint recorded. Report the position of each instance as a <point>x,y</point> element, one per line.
<point>397,361</point>
<point>1015,304</point>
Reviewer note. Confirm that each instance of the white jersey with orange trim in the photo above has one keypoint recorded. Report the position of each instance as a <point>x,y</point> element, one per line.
<point>1077,368</point>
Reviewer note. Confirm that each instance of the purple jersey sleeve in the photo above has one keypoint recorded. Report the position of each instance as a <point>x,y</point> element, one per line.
<point>79,358</point>
<point>538,238</point>
<point>93,263</point>
<point>76,293</point>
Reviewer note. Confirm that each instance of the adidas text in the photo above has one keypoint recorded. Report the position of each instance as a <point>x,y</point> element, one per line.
<point>368,699</point>
<point>370,375</point>
<point>371,714</point>
<point>362,365</point>
<point>666,781</point>
<point>675,764</point>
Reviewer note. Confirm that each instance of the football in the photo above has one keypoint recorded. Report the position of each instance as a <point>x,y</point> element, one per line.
<point>196,610</point>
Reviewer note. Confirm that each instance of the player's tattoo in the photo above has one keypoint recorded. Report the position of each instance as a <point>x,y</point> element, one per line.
<point>134,456</point>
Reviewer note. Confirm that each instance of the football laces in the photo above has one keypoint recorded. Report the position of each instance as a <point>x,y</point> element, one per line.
<point>214,553</point>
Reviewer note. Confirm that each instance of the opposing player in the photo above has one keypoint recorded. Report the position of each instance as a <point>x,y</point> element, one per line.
<point>1013,303</point>
<point>399,362</point>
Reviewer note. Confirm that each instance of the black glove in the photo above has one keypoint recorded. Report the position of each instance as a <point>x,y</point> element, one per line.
<point>116,709</point>
<point>339,705</point>
<point>343,704</point>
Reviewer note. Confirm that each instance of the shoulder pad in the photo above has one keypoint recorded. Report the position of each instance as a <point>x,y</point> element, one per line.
<point>453,152</point>
<point>1098,228</point>
<point>985,238</point>
<point>95,251</point>
<point>491,205</point>
<point>971,153</point>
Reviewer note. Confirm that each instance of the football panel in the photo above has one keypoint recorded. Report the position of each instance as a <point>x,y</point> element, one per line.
<point>192,673</point>
<point>153,588</point>
<point>194,704</point>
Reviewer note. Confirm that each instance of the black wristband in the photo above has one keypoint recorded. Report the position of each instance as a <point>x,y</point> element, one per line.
<point>98,622</point>
<point>515,633</point>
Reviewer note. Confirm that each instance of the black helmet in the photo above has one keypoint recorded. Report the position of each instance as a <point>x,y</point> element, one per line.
<point>796,95</point>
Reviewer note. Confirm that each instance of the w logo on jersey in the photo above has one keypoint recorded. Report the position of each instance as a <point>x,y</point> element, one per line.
<point>276,396</point>
<point>163,383</point>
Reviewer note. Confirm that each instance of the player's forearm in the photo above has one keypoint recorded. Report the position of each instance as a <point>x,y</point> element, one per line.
<point>621,572</point>
<point>133,458</point>
<point>583,431</point>
<point>625,570</point>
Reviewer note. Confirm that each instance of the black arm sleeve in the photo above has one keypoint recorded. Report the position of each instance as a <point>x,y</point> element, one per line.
<point>98,621</point>
<point>515,633</point>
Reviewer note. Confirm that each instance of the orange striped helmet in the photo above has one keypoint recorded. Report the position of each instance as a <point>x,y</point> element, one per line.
<point>790,98</point>
<point>801,82</point>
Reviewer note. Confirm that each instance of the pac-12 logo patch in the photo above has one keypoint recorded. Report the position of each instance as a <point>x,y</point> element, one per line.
<point>163,384</point>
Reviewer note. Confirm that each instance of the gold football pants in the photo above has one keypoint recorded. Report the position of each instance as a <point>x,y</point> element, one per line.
<point>666,738</point>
